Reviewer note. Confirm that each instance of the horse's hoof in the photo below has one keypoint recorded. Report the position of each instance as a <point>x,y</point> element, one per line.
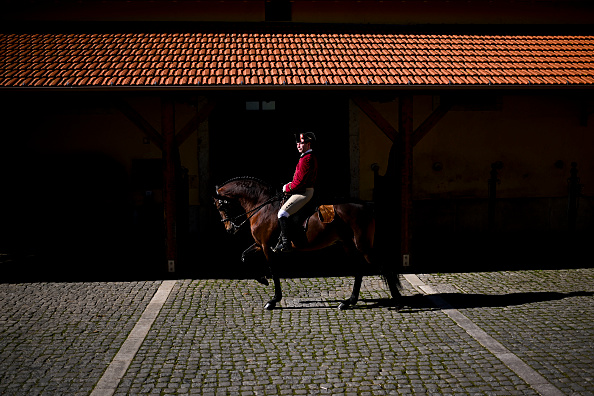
<point>270,305</point>
<point>343,306</point>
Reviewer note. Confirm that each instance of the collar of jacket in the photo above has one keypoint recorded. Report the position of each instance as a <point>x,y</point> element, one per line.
<point>307,152</point>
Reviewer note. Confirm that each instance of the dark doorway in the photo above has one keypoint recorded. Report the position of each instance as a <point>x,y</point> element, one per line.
<point>253,135</point>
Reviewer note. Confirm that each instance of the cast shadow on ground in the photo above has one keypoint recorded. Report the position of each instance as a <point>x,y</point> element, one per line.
<point>421,302</point>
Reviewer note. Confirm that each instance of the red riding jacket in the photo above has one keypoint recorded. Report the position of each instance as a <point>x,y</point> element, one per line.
<point>305,175</point>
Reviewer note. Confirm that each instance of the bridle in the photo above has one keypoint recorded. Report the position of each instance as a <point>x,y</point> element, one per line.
<point>222,201</point>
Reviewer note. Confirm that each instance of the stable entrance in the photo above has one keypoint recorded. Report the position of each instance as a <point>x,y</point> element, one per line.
<point>253,135</point>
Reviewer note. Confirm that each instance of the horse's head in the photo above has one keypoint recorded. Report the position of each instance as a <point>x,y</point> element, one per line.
<point>239,198</point>
<point>226,206</point>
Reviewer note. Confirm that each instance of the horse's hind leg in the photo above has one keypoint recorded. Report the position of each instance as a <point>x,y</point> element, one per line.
<point>394,289</point>
<point>363,239</point>
<point>357,259</point>
<point>352,300</point>
<point>393,283</point>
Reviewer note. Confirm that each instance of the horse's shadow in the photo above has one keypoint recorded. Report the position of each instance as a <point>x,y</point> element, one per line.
<point>422,302</point>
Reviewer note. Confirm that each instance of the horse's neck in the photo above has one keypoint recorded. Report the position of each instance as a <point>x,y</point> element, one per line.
<point>250,202</point>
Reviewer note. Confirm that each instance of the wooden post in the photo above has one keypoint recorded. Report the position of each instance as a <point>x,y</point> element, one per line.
<point>405,121</point>
<point>492,194</point>
<point>169,179</point>
<point>205,190</point>
<point>400,163</point>
<point>575,190</point>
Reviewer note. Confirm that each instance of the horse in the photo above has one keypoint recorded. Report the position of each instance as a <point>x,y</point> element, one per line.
<point>257,204</point>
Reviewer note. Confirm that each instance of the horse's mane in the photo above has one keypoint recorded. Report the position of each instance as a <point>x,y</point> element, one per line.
<point>262,186</point>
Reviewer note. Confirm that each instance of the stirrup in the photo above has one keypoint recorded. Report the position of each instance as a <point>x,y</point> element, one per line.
<point>283,246</point>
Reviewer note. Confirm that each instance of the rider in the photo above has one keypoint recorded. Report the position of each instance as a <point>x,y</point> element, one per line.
<point>300,189</point>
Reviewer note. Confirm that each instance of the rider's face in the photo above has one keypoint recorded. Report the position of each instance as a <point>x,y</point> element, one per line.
<point>303,147</point>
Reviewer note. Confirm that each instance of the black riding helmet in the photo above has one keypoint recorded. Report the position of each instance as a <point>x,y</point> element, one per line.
<point>305,137</point>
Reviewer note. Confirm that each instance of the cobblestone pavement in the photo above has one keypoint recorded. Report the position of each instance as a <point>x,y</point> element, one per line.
<point>545,317</point>
<point>58,338</point>
<point>212,336</point>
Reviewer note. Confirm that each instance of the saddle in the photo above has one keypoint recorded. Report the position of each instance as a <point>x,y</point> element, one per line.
<point>300,221</point>
<point>326,213</point>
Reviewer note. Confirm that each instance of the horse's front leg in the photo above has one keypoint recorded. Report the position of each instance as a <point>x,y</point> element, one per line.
<point>352,300</point>
<point>278,294</point>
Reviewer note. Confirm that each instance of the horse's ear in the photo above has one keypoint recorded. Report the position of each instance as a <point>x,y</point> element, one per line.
<point>216,193</point>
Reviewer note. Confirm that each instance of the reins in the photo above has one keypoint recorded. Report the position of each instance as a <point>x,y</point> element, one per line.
<point>250,213</point>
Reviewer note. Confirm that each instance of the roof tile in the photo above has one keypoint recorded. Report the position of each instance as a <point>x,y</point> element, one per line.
<point>293,58</point>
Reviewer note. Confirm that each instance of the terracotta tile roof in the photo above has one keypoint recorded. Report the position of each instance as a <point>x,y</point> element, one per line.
<point>287,58</point>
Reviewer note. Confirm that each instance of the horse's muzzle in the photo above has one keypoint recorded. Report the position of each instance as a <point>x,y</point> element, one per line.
<point>232,229</point>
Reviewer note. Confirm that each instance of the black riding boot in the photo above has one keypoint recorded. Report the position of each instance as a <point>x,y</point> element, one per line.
<point>284,243</point>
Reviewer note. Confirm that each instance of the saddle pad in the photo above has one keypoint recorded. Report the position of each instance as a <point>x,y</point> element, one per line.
<point>326,213</point>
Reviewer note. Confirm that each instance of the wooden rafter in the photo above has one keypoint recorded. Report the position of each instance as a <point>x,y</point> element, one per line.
<point>193,124</point>
<point>375,116</point>
<point>154,135</point>
<point>140,122</point>
<point>429,123</point>
<point>385,126</point>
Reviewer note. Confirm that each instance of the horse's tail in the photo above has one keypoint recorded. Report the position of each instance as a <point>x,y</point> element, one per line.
<point>361,218</point>
<point>384,255</point>
<point>368,226</point>
<point>362,224</point>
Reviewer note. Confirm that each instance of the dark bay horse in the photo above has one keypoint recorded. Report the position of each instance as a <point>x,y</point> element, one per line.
<point>247,200</point>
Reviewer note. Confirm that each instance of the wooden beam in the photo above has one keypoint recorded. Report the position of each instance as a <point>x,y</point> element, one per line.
<point>405,121</point>
<point>204,181</point>
<point>429,123</point>
<point>169,179</point>
<point>193,124</point>
<point>385,126</point>
<point>375,116</point>
<point>169,144</point>
<point>140,122</point>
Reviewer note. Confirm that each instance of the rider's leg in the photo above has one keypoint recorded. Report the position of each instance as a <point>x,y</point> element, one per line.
<point>289,208</point>
<point>284,243</point>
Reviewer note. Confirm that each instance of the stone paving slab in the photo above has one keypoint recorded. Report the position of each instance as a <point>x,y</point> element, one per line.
<point>213,337</point>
